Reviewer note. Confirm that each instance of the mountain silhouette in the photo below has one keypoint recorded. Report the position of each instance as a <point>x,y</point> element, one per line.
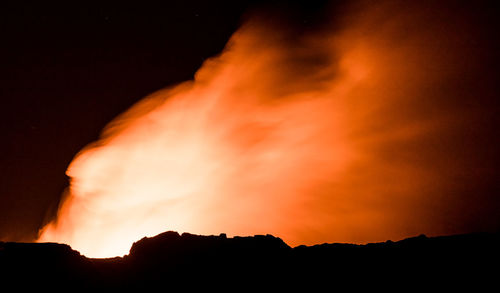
<point>262,262</point>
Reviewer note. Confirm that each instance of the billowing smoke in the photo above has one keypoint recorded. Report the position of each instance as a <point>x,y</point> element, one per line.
<point>347,133</point>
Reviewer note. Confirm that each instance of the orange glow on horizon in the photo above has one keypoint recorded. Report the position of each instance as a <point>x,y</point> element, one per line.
<point>324,137</point>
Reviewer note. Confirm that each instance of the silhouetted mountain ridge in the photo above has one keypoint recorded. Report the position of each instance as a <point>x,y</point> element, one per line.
<point>202,261</point>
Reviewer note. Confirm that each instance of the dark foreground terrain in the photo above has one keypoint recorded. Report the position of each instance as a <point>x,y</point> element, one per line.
<point>170,261</point>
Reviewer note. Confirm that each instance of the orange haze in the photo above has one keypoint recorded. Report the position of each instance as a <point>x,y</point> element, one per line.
<point>341,134</point>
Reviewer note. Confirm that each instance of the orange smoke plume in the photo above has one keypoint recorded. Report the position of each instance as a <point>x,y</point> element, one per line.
<point>313,137</point>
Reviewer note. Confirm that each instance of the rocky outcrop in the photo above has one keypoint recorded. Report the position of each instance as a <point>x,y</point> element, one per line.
<point>262,261</point>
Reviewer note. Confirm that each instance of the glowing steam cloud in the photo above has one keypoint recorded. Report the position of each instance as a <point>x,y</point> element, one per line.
<point>312,137</point>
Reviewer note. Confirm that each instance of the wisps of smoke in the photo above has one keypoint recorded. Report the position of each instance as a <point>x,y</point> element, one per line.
<point>346,134</point>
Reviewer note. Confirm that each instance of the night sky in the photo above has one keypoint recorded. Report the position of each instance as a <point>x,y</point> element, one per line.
<point>67,70</point>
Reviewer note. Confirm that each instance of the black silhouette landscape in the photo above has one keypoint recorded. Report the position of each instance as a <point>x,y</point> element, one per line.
<point>169,260</point>
<point>357,120</point>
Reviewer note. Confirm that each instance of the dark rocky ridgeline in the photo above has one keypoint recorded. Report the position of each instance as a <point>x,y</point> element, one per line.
<point>170,260</point>
<point>28,266</point>
<point>198,261</point>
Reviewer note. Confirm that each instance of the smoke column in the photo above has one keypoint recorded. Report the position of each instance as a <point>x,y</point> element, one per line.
<point>346,133</point>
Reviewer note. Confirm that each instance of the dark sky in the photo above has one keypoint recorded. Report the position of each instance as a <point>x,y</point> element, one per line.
<point>66,71</point>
